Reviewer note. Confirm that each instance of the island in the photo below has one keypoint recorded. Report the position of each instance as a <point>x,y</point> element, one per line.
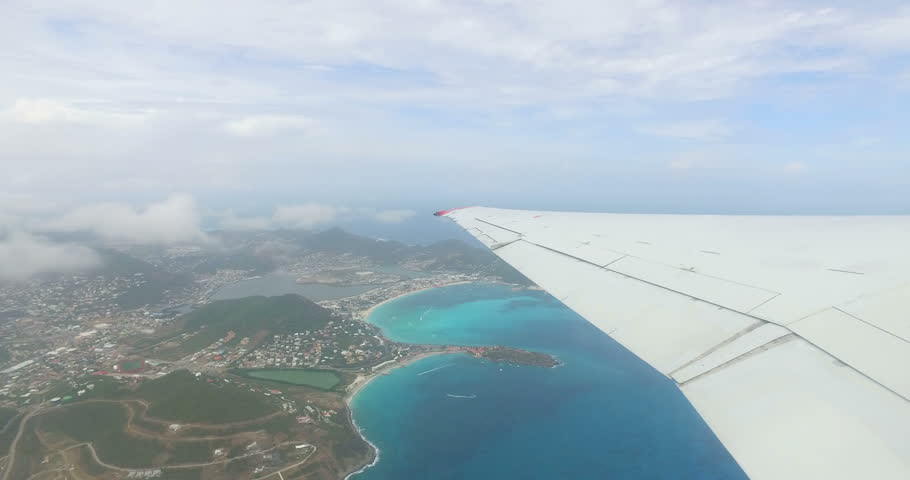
<point>243,388</point>
<point>134,371</point>
<point>514,356</point>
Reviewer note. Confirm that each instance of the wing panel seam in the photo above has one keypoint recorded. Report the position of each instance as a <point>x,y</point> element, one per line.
<point>872,325</point>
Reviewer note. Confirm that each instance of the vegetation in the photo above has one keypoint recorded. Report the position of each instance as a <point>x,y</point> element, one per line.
<point>182,397</point>
<point>7,414</point>
<point>321,379</point>
<point>7,435</point>
<point>518,357</point>
<point>4,355</point>
<point>249,315</point>
<point>451,255</point>
<point>157,282</point>
<point>102,424</point>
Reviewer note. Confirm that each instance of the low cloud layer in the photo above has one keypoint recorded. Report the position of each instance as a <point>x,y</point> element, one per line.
<point>307,215</point>
<point>23,255</point>
<point>313,215</point>
<point>27,222</point>
<point>393,216</point>
<point>175,220</point>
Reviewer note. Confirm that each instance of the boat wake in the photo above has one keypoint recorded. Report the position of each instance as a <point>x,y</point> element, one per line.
<point>472,395</point>
<point>434,369</point>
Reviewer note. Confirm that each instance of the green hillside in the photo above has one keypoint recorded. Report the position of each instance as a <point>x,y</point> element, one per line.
<point>446,255</point>
<point>245,316</point>
<point>182,397</point>
<point>337,240</point>
<point>158,282</point>
<point>249,315</point>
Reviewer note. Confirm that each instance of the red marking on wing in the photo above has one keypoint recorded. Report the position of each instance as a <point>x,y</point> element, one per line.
<point>443,213</point>
<point>537,216</point>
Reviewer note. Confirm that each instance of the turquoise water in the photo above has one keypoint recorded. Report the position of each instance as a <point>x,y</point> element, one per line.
<point>602,415</point>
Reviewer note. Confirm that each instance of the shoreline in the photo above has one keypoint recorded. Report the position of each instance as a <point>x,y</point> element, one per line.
<point>363,315</point>
<point>362,381</point>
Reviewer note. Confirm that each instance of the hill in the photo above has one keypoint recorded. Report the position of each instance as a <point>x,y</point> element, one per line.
<point>257,317</point>
<point>446,255</point>
<point>156,282</point>
<point>182,397</point>
<point>281,314</point>
<point>336,240</point>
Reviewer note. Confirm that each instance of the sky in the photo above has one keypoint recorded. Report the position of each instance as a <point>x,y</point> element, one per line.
<point>306,113</point>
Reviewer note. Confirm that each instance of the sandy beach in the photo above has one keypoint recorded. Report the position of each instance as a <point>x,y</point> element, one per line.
<point>362,380</point>
<point>366,313</point>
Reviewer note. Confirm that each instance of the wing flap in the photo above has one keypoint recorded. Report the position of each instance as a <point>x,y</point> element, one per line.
<point>740,346</point>
<point>734,296</point>
<point>874,352</point>
<point>665,328</point>
<point>888,310</point>
<point>795,412</point>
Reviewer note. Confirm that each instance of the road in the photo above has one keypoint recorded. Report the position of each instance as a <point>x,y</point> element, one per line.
<point>12,448</point>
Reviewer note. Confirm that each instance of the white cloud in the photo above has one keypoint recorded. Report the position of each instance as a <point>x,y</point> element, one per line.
<point>307,215</point>
<point>23,255</point>
<point>401,92</point>
<point>394,216</point>
<point>795,167</point>
<point>310,215</point>
<point>705,130</point>
<point>261,125</point>
<point>230,221</point>
<point>172,221</point>
<point>37,111</point>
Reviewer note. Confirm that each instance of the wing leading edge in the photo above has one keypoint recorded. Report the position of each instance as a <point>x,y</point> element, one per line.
<point>789,335</point>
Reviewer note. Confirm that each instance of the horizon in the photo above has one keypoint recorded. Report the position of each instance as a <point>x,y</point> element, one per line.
<point>153,128</point>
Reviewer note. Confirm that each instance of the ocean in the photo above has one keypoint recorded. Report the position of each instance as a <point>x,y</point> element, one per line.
<point>603,414</point>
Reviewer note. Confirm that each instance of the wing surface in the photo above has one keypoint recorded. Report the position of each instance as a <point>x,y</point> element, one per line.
<point>789,335</point>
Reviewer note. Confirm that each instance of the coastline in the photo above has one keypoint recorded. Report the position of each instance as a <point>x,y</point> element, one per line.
<point>363,380</point>
<point>366,313</point>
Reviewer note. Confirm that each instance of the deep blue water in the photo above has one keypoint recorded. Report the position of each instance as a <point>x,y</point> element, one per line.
<point>604,414</point>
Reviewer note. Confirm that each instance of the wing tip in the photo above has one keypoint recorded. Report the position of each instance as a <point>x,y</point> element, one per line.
<point>442,213</point>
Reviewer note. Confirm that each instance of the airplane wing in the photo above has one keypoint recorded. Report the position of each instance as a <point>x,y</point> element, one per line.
<point>789,335</point>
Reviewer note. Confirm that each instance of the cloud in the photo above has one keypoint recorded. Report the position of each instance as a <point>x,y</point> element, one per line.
<point>704,131</point>
<point>406,94</point>
<point>230,221</point>
<point>172,221</point>
<point>306,215</point>
<point>310,215</point>
<point>262,125</point>
<point>38,111</point>
<point>795,167</point>
<point>23,255</point>
<point>394,216</point>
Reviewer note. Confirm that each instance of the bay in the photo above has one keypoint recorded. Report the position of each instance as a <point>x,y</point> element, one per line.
<point>603,414</point>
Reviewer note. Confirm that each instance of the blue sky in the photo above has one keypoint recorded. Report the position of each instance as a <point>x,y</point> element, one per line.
<point>353,109</point>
